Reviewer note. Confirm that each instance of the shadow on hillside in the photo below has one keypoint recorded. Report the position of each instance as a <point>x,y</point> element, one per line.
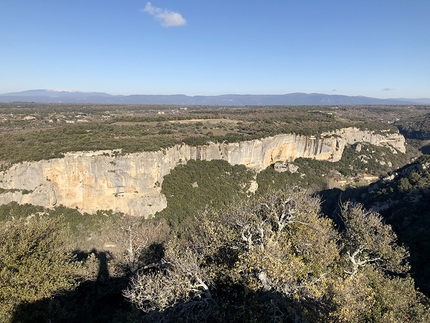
<point>93,301</point>
<point>101,301</point>
<point>408,213</point>
<point>425,150</point>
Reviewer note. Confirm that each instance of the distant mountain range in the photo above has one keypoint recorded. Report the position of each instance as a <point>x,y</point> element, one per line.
<point>54,96</point>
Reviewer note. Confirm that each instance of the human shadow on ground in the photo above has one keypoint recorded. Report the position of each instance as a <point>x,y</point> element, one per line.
<point>92,301</point>
<point>102,301</point>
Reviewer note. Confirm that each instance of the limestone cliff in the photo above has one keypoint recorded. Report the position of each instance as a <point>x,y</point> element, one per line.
<point>131,183</point>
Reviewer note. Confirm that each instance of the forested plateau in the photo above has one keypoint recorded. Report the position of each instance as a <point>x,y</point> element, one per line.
<point>214,214</point>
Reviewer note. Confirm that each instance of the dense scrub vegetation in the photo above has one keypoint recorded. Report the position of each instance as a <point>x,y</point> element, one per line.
<point>279,259</point>
<point>54,143</point>
<point>352,170</point>
<point>415,127</point>
<point>275,258</point>
<point>403,199</point>
<point>63,266</point>
<point>33,264</point>
<point>31,134</point>
<point>191,188</point>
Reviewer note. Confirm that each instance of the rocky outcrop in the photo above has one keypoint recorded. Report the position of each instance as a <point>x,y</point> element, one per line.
<point>131,183</point>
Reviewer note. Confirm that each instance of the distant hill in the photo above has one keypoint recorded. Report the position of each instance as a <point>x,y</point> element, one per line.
<point>54,96</point>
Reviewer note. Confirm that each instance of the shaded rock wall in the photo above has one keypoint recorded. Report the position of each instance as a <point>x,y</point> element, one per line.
<point>131,183</point>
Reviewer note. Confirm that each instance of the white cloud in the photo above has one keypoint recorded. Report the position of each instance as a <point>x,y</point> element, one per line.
<point>166,17</point>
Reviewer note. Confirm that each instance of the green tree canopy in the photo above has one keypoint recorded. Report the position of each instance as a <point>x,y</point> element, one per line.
<point>33,262</point>
<point>279,259</point>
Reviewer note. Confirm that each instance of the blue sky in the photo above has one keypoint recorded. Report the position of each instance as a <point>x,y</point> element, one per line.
<point>377,48</point>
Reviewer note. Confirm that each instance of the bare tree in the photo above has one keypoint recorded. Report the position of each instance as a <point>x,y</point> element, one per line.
<point>182,284</point>
<point>287,260</point>
<point>368,241</point>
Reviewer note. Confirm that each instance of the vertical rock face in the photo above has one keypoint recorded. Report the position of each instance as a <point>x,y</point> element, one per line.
<point>131,183</point>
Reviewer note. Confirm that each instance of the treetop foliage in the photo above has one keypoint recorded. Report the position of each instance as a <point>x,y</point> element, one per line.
<point>279,259</point>
<point>33,262</point>
<point>271,258</point>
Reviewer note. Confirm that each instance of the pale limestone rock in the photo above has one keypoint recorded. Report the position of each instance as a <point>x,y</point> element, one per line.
<point>286,167</point>
<point>131,183</point>
<point>358,147</point>
<point>253,187</point>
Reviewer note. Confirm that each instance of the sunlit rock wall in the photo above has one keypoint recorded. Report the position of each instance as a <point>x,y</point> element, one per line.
<point>131,183</point>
